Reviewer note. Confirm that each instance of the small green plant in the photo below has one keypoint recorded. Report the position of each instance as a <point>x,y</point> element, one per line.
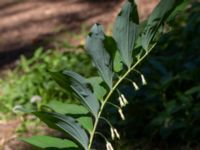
<point>30,80</point>
<point>115,58</point>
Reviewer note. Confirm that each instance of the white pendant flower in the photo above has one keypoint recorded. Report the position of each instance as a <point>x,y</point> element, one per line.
<point>112,133</point>
<point>121,102</point>
<point>109,146</point>
<point>121,114</point>
<point>144,82</point>
<point>135,86</point>
<point>125,101</point>
<point>117,133</point>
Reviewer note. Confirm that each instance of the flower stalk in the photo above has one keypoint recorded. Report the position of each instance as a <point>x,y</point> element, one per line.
<point>111,92</point>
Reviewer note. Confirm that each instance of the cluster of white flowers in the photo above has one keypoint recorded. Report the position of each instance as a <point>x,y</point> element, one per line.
<point>144,82</point>
<point>114,133</point>
<point>122,100</point>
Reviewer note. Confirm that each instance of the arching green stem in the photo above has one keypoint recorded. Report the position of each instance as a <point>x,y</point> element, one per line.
<point>111,92</point>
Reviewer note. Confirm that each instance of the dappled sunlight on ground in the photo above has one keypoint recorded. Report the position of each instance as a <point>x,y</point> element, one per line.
<point>25,24</point>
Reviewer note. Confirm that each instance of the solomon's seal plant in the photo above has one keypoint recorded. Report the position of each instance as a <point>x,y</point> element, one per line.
<point>115,57</point>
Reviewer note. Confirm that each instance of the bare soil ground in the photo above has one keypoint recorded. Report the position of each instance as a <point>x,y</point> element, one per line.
<point>25,24</point>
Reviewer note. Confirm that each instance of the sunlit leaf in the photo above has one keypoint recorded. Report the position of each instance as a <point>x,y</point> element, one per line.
<point>125,31</point>
<point>72,81</point>
<point>96,48</point>
<point>86,122</point>
<point>157,18</point>
<point>98,89</point>
<point>117,62</point>
<point>49,142</point>
<point>66,108</point>
<point>66,124</point>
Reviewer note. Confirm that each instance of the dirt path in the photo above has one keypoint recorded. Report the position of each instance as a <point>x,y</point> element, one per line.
<point>25,24</point>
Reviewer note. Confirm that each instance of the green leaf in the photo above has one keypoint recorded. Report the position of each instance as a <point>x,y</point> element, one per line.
<point>28,109</point>
<point>95,45</point>
<point>117,62</point>
<point>65,108</point>
<point>49,142</point>
<point>65,123</point>
<point>193,90</point>
<point>125,31</point>
<point>178,10</point>
<point>86,122</point>
<point>38,53</point>
<point>111,47</point>
<point>157,18</point>
<point>98,89</point>
<point>72,81</point>
<point>24,63</point>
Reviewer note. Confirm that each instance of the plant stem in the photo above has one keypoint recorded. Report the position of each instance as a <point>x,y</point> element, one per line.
<point>111,92</point>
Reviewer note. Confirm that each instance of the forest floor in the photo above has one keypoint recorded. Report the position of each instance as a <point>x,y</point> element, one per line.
<point>28,24</point>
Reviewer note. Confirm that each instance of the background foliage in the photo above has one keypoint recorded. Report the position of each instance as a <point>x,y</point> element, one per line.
<point>31,78</point>
<point>166,110</point>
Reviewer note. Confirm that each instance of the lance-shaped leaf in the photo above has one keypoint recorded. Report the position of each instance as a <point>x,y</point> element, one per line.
<point>86,122</point>
<point>72,81</point>
<point>125,31</point>
<point>117,62</point>
<point>98,89</point>
<point>66,124</point>
<point>66,108</point>
<point>111,46</point>
<point>157,18</point>
<point>100,55</point>
<point>47,142</point>
<point>179,9</point>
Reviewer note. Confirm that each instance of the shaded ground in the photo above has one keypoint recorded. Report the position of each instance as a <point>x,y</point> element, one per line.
<point>25,24</point>
<point>8,135</point>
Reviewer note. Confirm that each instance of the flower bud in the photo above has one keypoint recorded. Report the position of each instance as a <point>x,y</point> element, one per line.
<point>109,146</point>
<point>124,99</point>
<point>121,102</point>
<point>144,82</point>
<point>117,133</point>
<point>121,114</point>
<point>135,86</point>
<point>112,133</point>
